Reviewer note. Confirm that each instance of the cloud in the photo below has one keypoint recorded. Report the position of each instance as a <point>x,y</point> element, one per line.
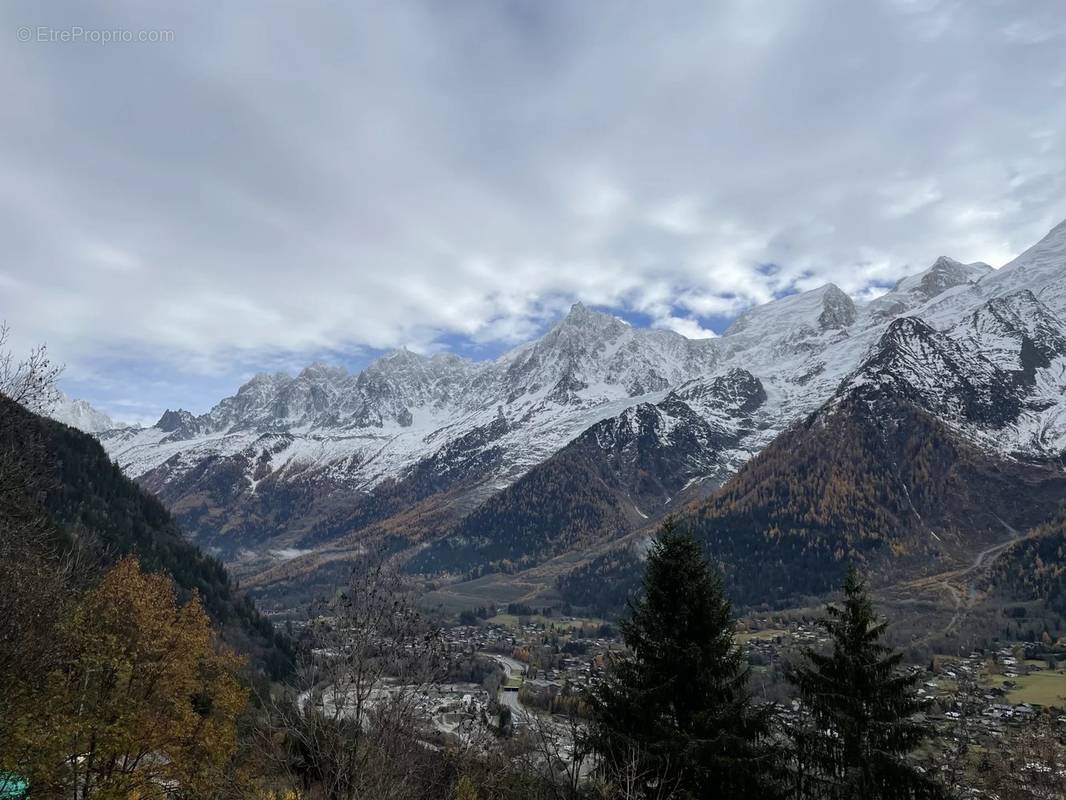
<point>346,178</point>
<point>686,326</point>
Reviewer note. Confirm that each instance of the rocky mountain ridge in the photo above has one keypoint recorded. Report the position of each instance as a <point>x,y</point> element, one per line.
<point>81,415</point>
<point>293,464</point>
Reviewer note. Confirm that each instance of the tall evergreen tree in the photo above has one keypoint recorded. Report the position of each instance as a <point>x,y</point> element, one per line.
<point>674,715</point>
<point>864,712</point>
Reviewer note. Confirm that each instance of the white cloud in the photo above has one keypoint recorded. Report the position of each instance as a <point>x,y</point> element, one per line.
<point>109,257</point>
<point>681,216</point>
<point>348,177</point>
<point>907,197</point>
<point>686,326</point>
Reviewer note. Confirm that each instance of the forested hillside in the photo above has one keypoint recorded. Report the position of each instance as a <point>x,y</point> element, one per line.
<point>614,478</point>
<point>875,480</point>
<point>872,479</point>
<point>1034,569</point>
<point>91,506</point>
<point>564,503</point>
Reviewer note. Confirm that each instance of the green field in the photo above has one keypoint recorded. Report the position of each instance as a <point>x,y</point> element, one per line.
<point>769,633</point>
<point>1038,688</point>
<point>946,684</point>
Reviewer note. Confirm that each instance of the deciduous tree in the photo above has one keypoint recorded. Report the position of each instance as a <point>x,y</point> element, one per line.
<point>150,700</point>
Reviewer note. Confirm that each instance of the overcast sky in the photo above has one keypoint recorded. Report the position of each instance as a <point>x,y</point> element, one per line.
<point>329,180</point>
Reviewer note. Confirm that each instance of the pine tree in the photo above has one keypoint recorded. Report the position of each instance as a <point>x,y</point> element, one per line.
<point>675,714</point>
<point>863,710</point>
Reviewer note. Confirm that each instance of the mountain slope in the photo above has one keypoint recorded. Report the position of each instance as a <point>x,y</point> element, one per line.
<point>891,472</point>
<point>415,449</point>
<point>877,480</point>
<point>1034,569</point>
<point>1039,269</point>
<point>89,501</point>
<point>289,463</point>
<point>610,480</point>
<point>914,362</point>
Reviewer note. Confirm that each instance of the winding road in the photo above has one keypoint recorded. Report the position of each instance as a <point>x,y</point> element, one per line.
<point>961,585</point>
<point>511,668</point>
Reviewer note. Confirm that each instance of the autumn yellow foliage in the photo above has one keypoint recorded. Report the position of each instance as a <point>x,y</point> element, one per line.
<point>142,702</point>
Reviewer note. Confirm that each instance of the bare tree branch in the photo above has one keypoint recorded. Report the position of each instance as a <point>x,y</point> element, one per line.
<point>351,721</point>
<point>30,382</point>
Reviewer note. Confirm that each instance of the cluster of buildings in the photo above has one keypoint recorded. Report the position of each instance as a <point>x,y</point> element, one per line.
<point>554,653</point>
<point>477,638</point>
<point>541,664</point>
<point>973,696</point>
<point>975,693</point>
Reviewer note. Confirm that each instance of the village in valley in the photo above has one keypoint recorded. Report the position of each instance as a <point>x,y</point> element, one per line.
<point>516,672</point>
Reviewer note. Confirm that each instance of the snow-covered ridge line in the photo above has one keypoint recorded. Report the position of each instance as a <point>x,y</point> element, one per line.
<point>776,364</point>
<point>81,415</point>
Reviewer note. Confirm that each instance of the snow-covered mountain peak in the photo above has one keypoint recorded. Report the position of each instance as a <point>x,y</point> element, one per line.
<point>400,357</point>
<point>396,363</point>
<point>670,422</point>
<point>582,320</point>
<point>915,361</point>
<point>265,379</point>
<point>181,424</point>
<point>592,357</point>
<point>1016,332</point>
<point>81,415</point>
<point>838,310</point>
<point>1021,311</point>
<point>172,418</point>
<point>580,312</point>
<point>392,386</point>
<point>905,334</point>
<point>983,350</point>
<point>320,371</point>
<point>1041,268</point>
<point>914,290</point>
<point>944,274</point>
<point>825,308</point>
